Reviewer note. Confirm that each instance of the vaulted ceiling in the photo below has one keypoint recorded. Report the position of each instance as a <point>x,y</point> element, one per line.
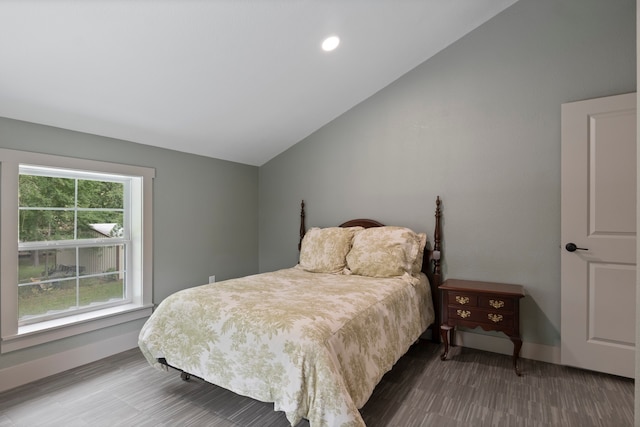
<point>240,80</point>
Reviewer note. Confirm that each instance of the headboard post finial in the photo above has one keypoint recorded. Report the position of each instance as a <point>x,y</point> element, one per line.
<point>303,229</point>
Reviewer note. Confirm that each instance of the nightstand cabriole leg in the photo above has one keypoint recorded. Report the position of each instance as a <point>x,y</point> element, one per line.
<point>444,334</point>
<point>517,345</point>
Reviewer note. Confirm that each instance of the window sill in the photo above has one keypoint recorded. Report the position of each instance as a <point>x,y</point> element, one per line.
<point>43,332</point>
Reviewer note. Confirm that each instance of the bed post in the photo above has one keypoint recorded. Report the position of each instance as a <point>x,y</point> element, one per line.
<point>437,253</point>
<point>302,226</point>
<point>436,276</point>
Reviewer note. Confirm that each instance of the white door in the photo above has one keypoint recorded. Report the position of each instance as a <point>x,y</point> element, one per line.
<point>598,279</point>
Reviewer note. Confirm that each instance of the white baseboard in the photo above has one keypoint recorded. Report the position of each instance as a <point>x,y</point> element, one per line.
<point>503,345</point>
<point>27,372</point>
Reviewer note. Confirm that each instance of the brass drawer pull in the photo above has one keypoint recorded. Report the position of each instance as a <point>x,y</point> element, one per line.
<point>462,300</point>
<point>496,303</point>
<point>463,313</point>
<point>495,318</point>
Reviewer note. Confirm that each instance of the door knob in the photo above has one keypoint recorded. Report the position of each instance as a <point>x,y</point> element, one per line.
<point>571,247</point>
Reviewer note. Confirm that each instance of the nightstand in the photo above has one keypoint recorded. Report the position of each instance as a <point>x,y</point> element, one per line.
<point>491,306</point>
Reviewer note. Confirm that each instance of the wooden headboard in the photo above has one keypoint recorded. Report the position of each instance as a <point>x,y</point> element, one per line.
<point>434,274</point>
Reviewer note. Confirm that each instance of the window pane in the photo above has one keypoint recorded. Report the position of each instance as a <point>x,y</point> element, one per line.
<point>45,225</point>
<point>101,260</point>
<point>46,298</point>
<point>99,224</point>
<point>47,279</point>
<point>46,192</point>
<point>101,289</point>
<point>46,264</point>
<point>100,194</point>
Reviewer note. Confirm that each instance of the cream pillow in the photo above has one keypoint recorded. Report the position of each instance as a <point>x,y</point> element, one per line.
<point>324,250</point>
<point>383,252</point>
<point>422,243</point>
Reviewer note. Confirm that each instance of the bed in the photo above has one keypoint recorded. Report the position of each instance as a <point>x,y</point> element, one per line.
<point>315,339</point>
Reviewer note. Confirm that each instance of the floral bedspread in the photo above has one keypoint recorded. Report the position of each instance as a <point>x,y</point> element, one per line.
<point>314,344</point>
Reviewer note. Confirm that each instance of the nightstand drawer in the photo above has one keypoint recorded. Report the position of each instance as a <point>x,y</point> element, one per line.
<point>496,303</point>
<point>461,298</point>
<point>496,319</point>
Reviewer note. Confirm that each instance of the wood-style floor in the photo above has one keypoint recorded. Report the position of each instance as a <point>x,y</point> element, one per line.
<point>474,388</point>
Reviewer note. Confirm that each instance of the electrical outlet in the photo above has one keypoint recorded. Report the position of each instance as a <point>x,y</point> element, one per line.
<point>212,279</point>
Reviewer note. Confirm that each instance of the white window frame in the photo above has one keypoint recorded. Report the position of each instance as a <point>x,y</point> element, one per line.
<point>12,335</point>
<point>75,243</point>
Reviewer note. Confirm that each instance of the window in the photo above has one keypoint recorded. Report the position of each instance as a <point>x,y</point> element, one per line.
<point>73,241</point>
<point>75,246</point>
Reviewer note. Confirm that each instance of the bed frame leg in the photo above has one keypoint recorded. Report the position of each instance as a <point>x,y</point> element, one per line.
<point>183,375</point>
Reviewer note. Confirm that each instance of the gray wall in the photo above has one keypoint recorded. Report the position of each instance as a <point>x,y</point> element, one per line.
<point>205,214</point>
<point>479,125</point>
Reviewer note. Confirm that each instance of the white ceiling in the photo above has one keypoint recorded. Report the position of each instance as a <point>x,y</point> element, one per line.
<point>237,80</point>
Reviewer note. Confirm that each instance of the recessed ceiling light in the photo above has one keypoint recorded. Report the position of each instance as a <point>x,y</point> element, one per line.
<point>330,43</point>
